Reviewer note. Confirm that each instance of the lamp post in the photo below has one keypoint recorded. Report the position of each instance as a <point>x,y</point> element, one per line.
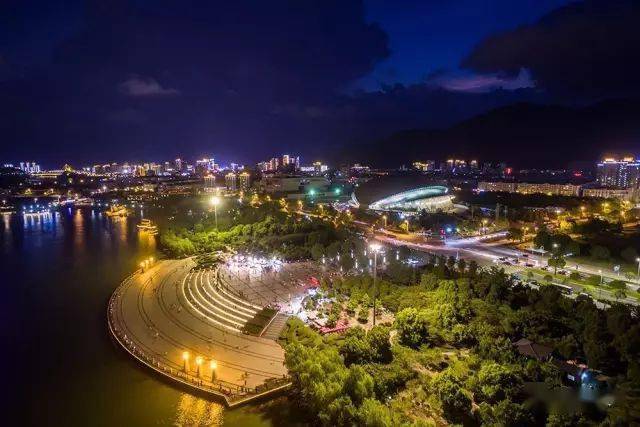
<point>374,247</point>
<point>198,364</point>
<point>213,365</point>
<point>185,358</point>
<point>215,201</point>
<point>638,261</point>
<point>555,264</point>
<point>384,218</point>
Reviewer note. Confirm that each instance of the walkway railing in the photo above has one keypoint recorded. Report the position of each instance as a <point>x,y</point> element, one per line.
<point>232,394</point>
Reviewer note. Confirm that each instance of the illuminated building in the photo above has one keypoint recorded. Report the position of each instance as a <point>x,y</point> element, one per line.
<point>497,186</point>
<point>530,188</point>
<point>425,166</point>
<point>623,173</point>
<point>30,167</point>
<point>209,183</point>
<point>244,180</point>
<point>611,193</point>
<point>430,199</point>
<point>231,181</point>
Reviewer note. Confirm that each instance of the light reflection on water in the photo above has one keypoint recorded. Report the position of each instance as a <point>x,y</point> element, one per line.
<point>59,271</point>
<point>193,411</point>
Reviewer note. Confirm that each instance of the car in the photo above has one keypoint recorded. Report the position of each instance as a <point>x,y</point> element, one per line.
<point>562,272</point>
<point>506,263</point>
<point>525,255</point>
<point>545,268</point>
<point>528,264</point>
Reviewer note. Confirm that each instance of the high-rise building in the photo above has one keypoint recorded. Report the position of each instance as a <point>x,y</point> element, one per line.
<point>209,183</point>
<point>178,165</point>
<point>30,167</point>
<point>244,180</point>
<point>205,165</point>
<point>623,173</point>
<point>231,181</point>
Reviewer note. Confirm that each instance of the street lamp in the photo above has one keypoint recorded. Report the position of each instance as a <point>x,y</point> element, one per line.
<point>213,365</point>
<point>384,218</point>
<point>375,248</point>
<point>555,264</point>
<point>638,261</point>
<point>215,201</point>
<point>198,364</point>
<point>185,358</point>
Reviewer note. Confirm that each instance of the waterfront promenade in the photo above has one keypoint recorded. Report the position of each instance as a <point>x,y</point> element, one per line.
<point>184,325</point>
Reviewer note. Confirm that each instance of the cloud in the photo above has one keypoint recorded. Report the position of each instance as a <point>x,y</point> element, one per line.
<point>141,86</point>
<point>225,65</point>
<point>586,50</point>
<point>482,83</point>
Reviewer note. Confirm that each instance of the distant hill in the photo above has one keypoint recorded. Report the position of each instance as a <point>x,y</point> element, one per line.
<point>521,134</point>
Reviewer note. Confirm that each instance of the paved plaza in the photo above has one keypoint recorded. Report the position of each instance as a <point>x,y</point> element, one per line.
<point>187,323</point>
<point>283,285</point>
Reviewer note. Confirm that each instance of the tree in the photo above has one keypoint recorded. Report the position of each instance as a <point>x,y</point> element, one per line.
<point>455,403</point>
<point>379,342</point>
<point>352,306</point>
<point>496,382</point>
<point>515,234</point>
<point>506,413</point>
<point>557,261</point>
<point>412,327</point>
<point>358,384</point>
<point>372,413</point>
<point>363,315</point>
<point>317,251</point>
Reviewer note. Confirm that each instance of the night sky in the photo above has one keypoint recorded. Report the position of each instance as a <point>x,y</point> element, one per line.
<point>113,80</point>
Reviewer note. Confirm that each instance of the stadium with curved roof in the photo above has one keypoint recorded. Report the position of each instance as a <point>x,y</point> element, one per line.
<point>406,194</point>
<point>430,199</point>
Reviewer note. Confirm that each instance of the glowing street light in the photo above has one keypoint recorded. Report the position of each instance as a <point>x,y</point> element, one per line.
<point>215,201</point>
<point>185,358</point>
<point>384,218</point>
<point>213,365</point>
<point>638,261</point>
<point>198,364</point>
<point>375,248</point>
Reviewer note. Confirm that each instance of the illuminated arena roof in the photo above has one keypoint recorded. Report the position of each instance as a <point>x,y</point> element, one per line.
<point>430,198</point>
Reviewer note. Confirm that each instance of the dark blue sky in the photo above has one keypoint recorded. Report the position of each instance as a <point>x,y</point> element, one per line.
<point>429,36</point>
<point>98,80</point>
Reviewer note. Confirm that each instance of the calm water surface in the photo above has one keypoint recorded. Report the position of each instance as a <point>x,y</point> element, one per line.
<point>58,272</point>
